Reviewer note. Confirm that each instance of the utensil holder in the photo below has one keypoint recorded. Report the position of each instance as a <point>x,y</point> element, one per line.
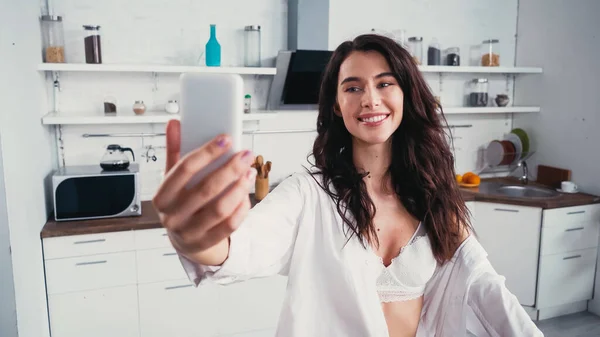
<point>261,188</point>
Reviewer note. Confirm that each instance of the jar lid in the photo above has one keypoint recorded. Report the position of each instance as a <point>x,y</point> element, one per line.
<point>247,96</point>
<point>172,101</point>
<point>491,41</point>
<point>51,18</point>
<point>415,38</point>
<point>138,102</point>
<point>480,80</point>
<point>253,27</point>
<point>91,27</point>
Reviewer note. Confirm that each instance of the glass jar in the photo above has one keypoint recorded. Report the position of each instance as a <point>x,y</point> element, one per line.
<point>53,40</point>
<point>139,107</point>
<point>247,103</point>
<point>452,56</point>
<point>172,107</point>
<point>93,49</point>
<point>490,56</point>
<point>415,46</point>
<point>252,42</point>
<point>434,53</point>
<point>478,92</point>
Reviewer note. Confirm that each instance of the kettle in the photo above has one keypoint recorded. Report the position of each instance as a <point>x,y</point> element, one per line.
<point>115,159</point>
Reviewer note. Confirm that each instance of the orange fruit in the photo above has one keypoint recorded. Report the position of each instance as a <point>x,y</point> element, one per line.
<point>459,178</point>
<point>474,179</point>
<point>466,176</point>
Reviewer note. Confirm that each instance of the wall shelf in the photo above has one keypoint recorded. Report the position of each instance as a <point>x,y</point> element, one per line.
<point>150,117</point>
<point>482,70</point>
<point>153,68</point>
<point>491,110</point>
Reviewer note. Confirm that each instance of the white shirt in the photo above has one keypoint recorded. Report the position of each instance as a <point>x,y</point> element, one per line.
<point>296,231</point>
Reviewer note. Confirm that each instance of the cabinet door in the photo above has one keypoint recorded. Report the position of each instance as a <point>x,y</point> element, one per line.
<point>95,313</point>
<point>511,236</point>
<point>177,308</point>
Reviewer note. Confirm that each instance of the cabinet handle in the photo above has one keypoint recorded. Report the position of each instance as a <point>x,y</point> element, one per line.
<point>573,229</point>
<point>506,210</point>
<point>576,212</point>
<point>571,257</point>
<point>178,287</point>
<point>90,262</point>
<point>169,254</point>
<point>89,241</point>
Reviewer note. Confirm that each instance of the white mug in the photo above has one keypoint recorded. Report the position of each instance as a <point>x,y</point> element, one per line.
<point>569,186</point>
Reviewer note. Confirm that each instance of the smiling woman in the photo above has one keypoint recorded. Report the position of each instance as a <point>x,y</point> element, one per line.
<point>375,239</point>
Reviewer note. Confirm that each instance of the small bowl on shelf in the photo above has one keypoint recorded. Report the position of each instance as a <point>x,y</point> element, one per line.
<point>502,100</point>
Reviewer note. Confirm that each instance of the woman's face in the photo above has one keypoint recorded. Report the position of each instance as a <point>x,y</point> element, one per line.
<point>369,98</point>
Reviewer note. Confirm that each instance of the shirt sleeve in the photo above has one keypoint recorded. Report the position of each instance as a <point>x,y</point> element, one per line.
<point>262,246</point>
<point>498,310</point>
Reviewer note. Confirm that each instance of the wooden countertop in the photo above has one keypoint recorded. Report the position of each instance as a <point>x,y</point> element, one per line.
<point>564,200</point>
<point>149,218</point>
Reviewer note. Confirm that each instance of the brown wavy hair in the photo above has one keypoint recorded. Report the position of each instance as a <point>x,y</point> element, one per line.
<point>422,165</point>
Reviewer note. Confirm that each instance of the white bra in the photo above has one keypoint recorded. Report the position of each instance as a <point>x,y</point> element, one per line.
<point>408,273</point>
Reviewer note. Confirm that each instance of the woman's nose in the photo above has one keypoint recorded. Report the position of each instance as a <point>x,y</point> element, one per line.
<point>371,99</point>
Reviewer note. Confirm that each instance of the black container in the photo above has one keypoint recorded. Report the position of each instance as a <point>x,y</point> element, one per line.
<point>92,43</point>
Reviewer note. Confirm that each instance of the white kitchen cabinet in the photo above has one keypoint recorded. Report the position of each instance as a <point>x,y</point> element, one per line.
<point>95,313</point>
<point>566,277</point>
<point>510,235</point>
<point>177,308</point>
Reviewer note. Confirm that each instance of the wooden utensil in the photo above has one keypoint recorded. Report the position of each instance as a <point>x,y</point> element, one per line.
<point>552,176</point>
<point>267,169</point>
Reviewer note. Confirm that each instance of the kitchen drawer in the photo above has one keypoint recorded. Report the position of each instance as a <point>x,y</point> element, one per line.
<point>566,278</point>
<point>569,237</point>
<point>161,264</point>
<point>177,308</point>
<point>90,272</point>
<point>95,313</point>
<point>567,216</point>
<point>152,238</point>
<point>88,244</point>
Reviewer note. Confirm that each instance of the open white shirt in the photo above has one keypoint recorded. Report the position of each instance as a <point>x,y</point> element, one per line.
<point>296,231</point>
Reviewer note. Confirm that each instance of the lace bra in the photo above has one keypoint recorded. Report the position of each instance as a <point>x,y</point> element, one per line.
<point>408,273</point>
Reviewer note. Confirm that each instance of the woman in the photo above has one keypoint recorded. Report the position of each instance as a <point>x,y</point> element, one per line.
<point>374,240</point>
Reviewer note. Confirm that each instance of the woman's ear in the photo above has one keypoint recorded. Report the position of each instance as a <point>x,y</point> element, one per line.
<point>336,110</point>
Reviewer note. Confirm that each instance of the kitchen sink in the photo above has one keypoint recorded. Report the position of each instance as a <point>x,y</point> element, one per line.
<point>517,191</point>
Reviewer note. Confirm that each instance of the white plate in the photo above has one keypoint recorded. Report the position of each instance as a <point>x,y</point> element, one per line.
<point>513,138</point>
<point>561,191</point>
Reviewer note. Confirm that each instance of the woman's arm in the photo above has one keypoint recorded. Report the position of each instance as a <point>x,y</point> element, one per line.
<point>497,309</point>
<point>263,244</point>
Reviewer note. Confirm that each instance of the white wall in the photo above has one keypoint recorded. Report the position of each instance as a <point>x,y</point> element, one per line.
<point>137,32</point>
<point>8,310</point>
<point>26,151</point>
<point>562,37</point>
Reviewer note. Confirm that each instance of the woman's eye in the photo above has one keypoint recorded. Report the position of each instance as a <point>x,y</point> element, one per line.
<point>352,89</point>
<point>383,85</point>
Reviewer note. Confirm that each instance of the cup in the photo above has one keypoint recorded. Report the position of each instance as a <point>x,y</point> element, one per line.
<point>569,187</point>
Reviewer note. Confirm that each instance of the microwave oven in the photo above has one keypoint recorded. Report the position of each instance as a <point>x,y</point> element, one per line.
<point>89,192</point>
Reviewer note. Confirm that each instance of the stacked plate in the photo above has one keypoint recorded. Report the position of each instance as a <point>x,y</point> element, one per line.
<point>510,150</point>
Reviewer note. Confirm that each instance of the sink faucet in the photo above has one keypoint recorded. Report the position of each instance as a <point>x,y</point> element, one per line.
<point>525,177</point>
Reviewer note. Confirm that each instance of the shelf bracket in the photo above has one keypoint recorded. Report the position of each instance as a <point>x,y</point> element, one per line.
<point>56,89</point>
<point>154,81</point>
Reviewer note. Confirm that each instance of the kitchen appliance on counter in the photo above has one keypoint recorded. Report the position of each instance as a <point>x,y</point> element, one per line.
<point>115,159</point>
<point>89,192</point>
<point>297,81</point>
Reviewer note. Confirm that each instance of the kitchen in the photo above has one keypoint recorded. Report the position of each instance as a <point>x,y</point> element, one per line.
<point>35,141</point>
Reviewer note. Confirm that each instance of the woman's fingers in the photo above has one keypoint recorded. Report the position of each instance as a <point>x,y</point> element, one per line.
<point>215,221</point>
<point>184,169</point>
<point>210,187</point>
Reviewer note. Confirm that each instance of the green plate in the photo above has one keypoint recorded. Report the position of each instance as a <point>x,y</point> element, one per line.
<point>524,139</point>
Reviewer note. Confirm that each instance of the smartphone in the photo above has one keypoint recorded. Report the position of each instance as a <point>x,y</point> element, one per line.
<point>210,104</point>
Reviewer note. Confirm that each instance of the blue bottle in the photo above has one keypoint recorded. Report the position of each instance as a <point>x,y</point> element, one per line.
<point>213,49</point>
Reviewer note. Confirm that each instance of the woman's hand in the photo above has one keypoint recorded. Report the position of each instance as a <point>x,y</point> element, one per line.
<point>199,220</point>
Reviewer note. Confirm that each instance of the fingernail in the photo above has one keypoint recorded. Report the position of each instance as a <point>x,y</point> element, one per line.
<point>251,174</point>
<point>222,141</point>
<point>247,156</point>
